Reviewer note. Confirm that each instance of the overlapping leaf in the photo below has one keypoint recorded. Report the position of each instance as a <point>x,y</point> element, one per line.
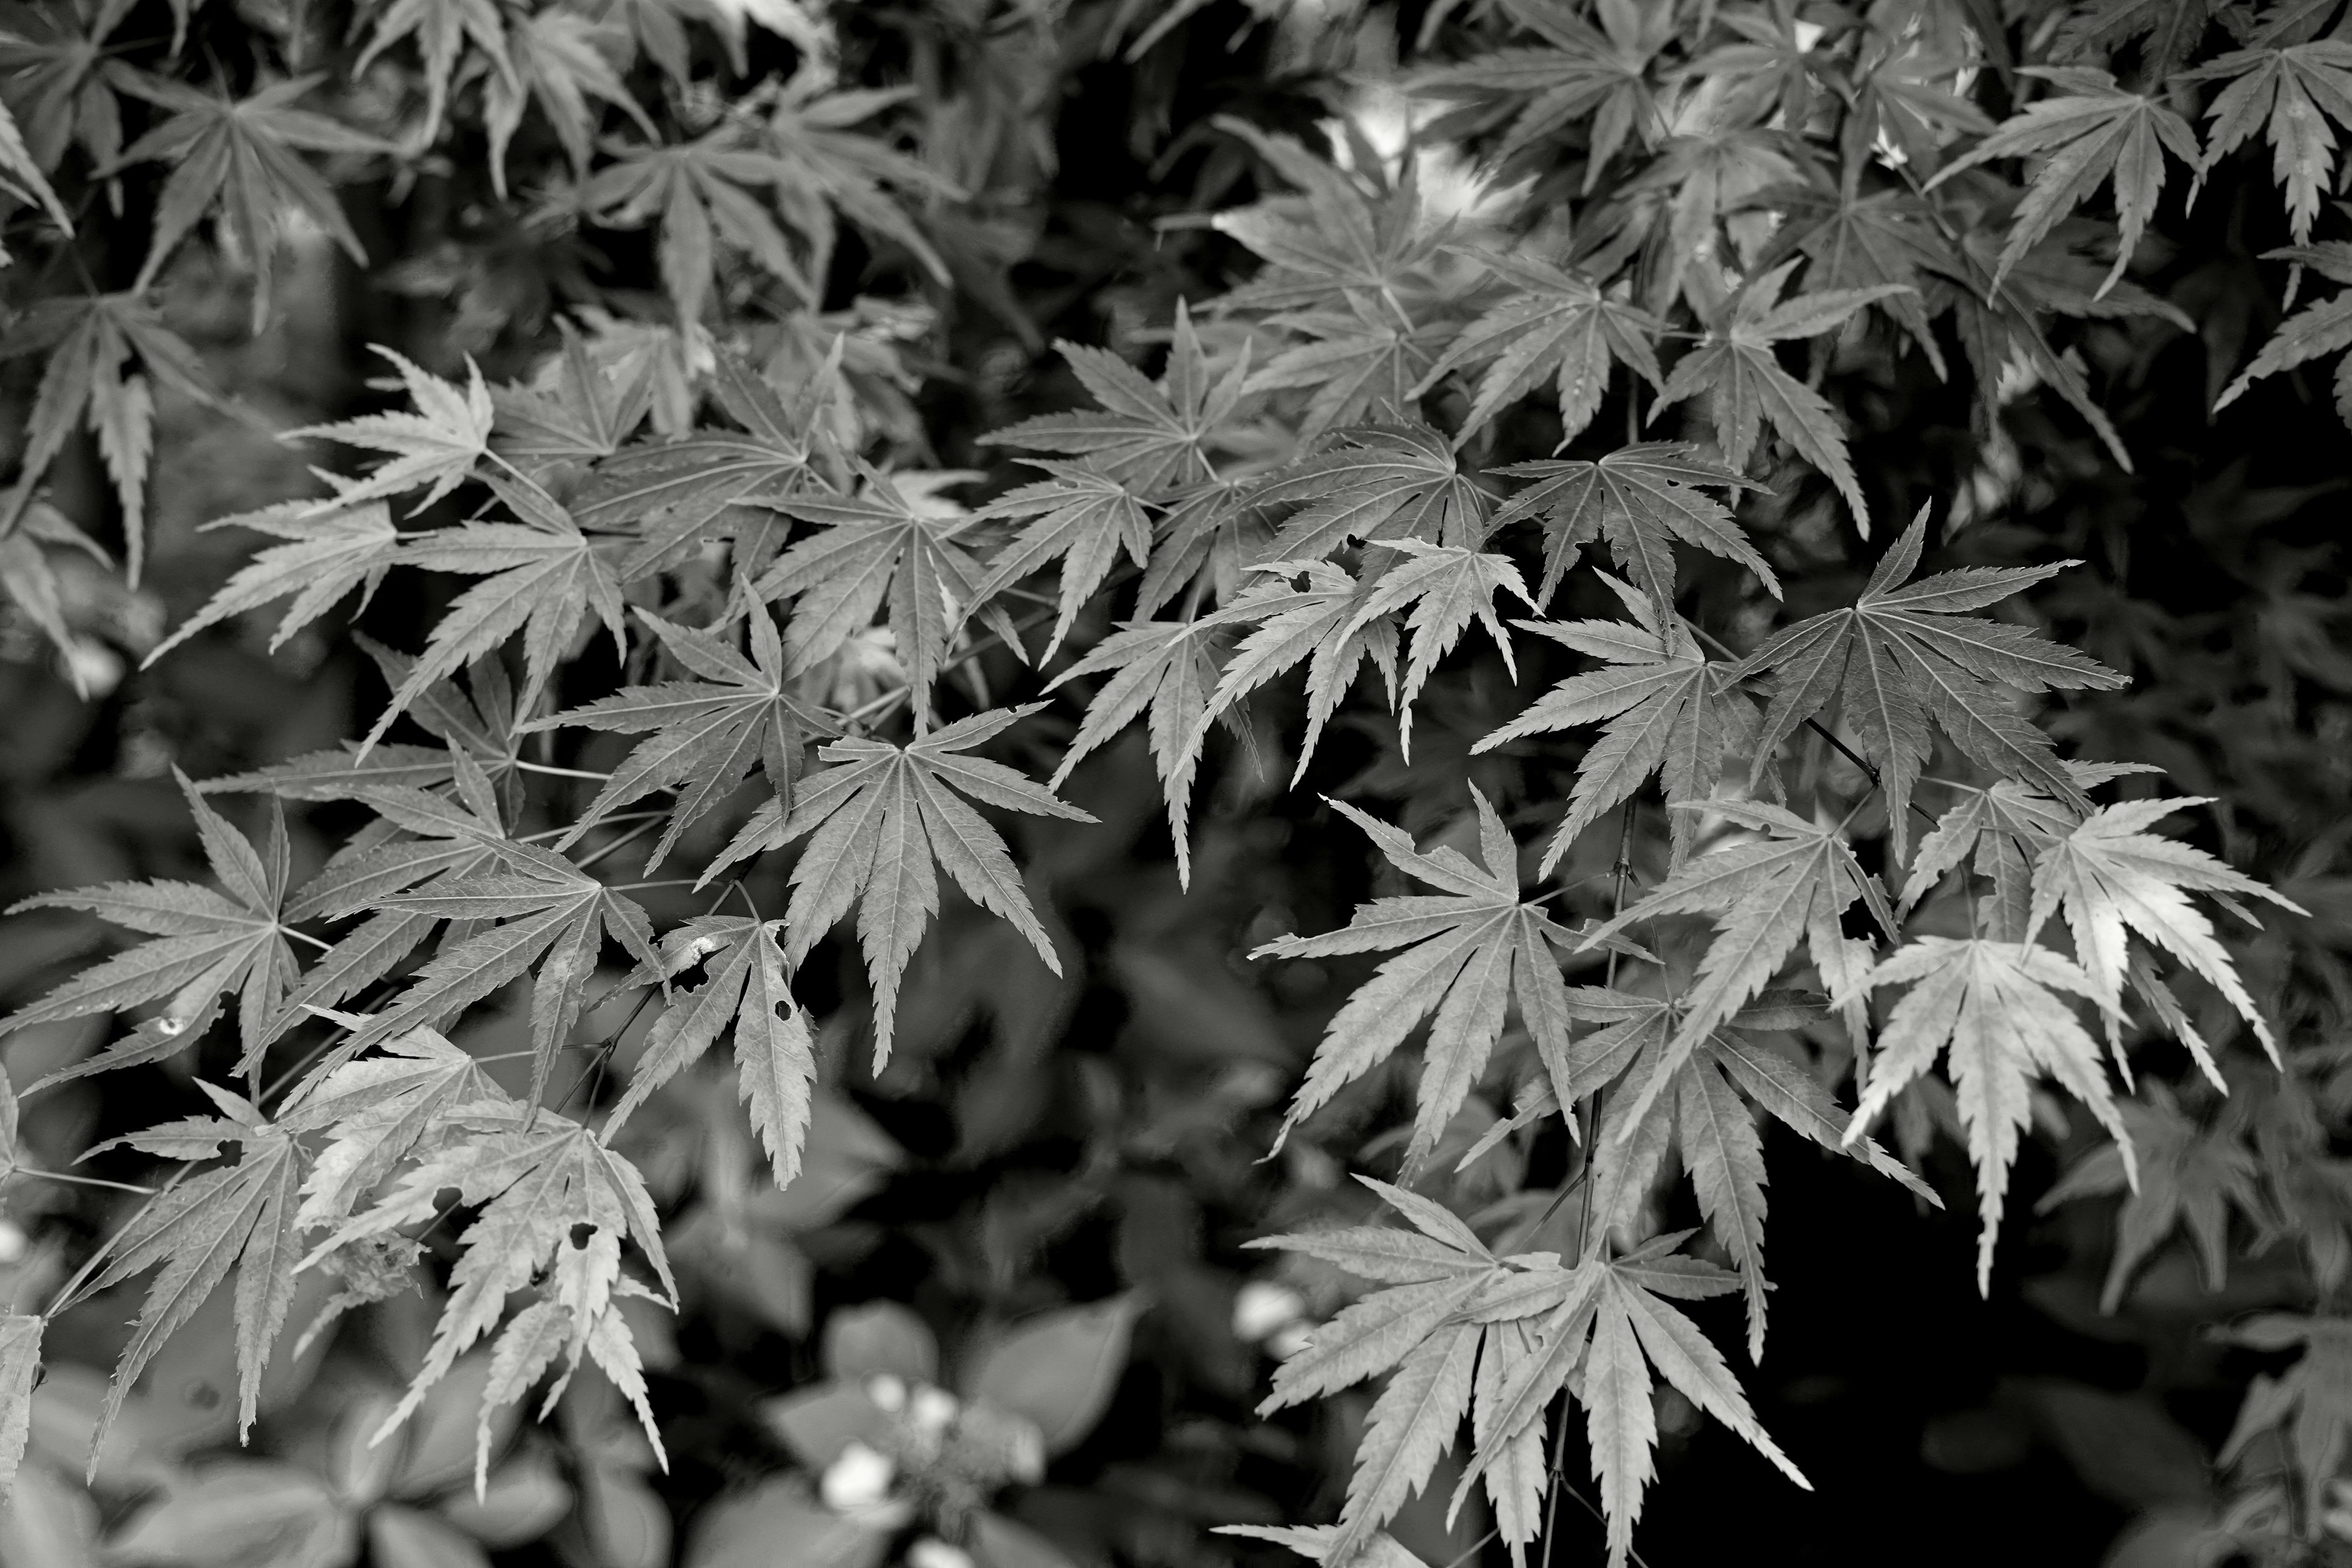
<point>434,449</point>
<point>2189,1176</point>
<point>1553,324</point>
<point>1166,671</point>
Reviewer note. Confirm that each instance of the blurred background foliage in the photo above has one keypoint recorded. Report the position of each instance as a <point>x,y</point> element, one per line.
<point>1083,1157</point>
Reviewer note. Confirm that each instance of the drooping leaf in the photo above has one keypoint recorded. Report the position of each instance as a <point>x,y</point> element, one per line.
<point>2312,1400</point>
<point>1079,517</point>
<point>1640,499</point>
<point>1471,952</point>
<point>441,30</point>
<point>1166,671</point>
<point>434,449</point>
<point>330,549</point>
<point>1553,324</point>
<point>2001,1010</point>
<point>1291,626</point>
<point>1447,586</point>
<point>1376,483</point>
<point>2289,94</point>
<point>2189,1176</point>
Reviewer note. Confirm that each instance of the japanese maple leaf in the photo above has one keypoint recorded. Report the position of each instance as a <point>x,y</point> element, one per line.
<point>434,449</point>
<point>1166,671</point>
<point>1290,625</point>
<point>2095,130</point>
<point>330,551</point>
<point>1587,72</point>
<point>1869,240</point>
<point>441,28</point>
<point>1610,1323</point>
<point>2312,1400</point>
<point>1447,587</point>
<point>1997,831</point>
<point>551,919</point>
<point>1375,483</point>
<point>62,82</point>
<point>2171,28</point>
<point>206,945</point>
<point>1902,657</point>
<point>554,1202</point>
<point>1669,710</point>
<point>542,576</point>
<point>1997,1009</point>
<point>1912,94</point>
<point>2321,328</point>
<point>1078,516</point>
<point>240,157</point>
<point>1148,436</point>
<point>2290,94</point>
<point>1738,365</point>
<point>1703,1117</point>
<point>1471,952</point>
<point>577,412</point>
<point>744,990</point>
<point>376,1112</point>
<point>2189,1176</point>
<point>824,166</point>
<point>702,192</point>
<point>1767,896</point>
<point>707,732</point>
<point>1552,325</point>
<point>481,726</point>
<point>1339,239</point>
<point>675,493</point>
<point>1640,499</point>
<point>1359,362</point>
<point>560,61</point>
<point>879,542</point>
<point>2111,876</point>
<point>90,342</point>
<point>882,821</point>
<point>240,1218</point>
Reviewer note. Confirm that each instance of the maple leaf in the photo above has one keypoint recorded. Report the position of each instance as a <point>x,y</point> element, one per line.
<point>708,733</point>
<point>376,1112</point>
<point>1471,952</point>
<point>1902,657</point>
<point>823,166</point>
<point>1378,482</point>
<point>2094,131</point>
<point>2322,327</point>
<point>1358,361</point>
<point>441,28</point>
<point>1167,669</point>
<point>240,1217</point>
<point>435,448</point>
<point>1612,1324</point>
<point>1079,517</point>
<point>881,821</point>
<point>879,542</point>
<point>330,550</point>
<point>1601,72</point>
<point>1640,499</point>
<point>1869,240</point>
<point>2186,1175</point>
<point>678,492</point>
<point>1291,625</point>
<point>775,1064</point>
<point>2309,1400</point>
<point>1447,586</point>
<point>1344,237</point>
<point>1768,895</point>
<point>1553,324</point>
<point>20,1372</point>
<point>1998,1008</point>
<point>2111,876</point>
<point>1669,710</point>
<point>554,1202</point>
<point>702,193</point>
<point>1702,1116</point>
<point>542,577</point>
<point>89,339</point>
<point>560,61</point>
<point>480,726</point>
<point>1147,435</point>
<point>1999,830</point>
<point>241,156</point>
<point>2290,94</point>
<point>62,83</point>
<point>2171,28</point>
<point>206,945</point>
<point>1740,369</point>
<point>582,412</point>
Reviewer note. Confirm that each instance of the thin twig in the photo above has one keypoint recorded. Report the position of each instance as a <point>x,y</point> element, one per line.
<point>554,772</point>
<point>85,1181</point>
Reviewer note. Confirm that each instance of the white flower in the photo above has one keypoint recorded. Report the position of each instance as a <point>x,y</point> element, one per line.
<point>858,1478</point>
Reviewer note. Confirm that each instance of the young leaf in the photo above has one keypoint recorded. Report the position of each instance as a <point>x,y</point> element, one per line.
<point>1378,482</point>
<point>885,818</point>
<point>1640,499</point>
<point>1471,952</point>
<point>1447,586</point>
<point>1997,1007</point>
<point>2290,94</point>
<point>206,945</point>
<point>1078,517</point>
<point>1294,624</point>
<point>333,548</point>
<point>1902,657</point>
<point>1166,669</point>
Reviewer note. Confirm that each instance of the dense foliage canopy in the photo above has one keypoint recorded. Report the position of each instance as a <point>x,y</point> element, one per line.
<point>800,779</point>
